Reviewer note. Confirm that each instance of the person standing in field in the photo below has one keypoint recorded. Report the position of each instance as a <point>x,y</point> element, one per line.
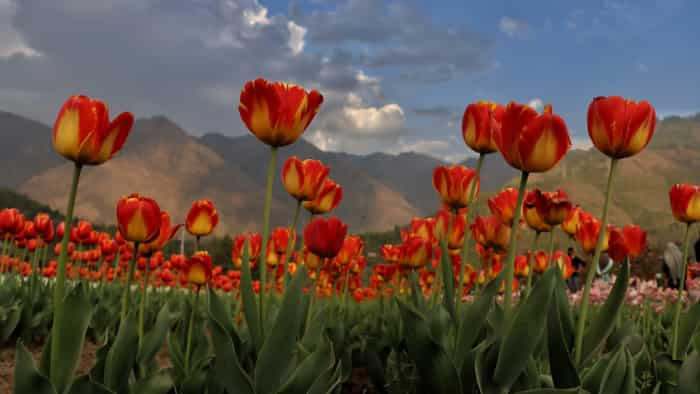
<point>672,264</point>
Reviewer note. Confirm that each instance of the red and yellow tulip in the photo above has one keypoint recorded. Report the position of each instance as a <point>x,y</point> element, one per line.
<point>202,218</point>
<point>303,179</point>
<point>685,202</point>
<point>166,233</point>
<point>620,127</point>
<point>325,237</point>
<point>327,199</point>
<point>491,232</point>
<point>453,185</point>
<point>138,218</point>
<point>479,124</point>
<point>629,242</point>
<point>198,269</point>
<point>503,205</point>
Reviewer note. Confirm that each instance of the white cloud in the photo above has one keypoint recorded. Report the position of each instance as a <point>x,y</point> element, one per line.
<point>515,28</point>
<point>296,37</point>
<point>256,16</point>
<point>375,120</point>
<point>580,142</point>
<point>11,41</point>
<point>537,104</point>
<point>442,149</point>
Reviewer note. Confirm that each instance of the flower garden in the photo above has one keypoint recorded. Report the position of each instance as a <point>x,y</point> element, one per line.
<point>456,307</point>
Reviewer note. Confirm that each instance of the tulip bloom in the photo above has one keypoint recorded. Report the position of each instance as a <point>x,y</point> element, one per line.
<point>588,232</point>
<point>303,179</point>
<point>557,207</point>
<point>202,218</point>
<point>83,133</point>
<point>198,268</point>
<point>280,238</point>
<point>685,202</point>
<point>479,124</point>
<point>532,142</point>
<point>628,243</point>
<point>417,252</point>
<point>454,184</point>
<point>572,222</point>
<point>620,127</point>
<point>392,253</point>
<point>423,227</point>
<point>11,221</point>
<point>503,205</point>
<point>254,246</point>
<point>277,113</point>
<point>353,246</point>
<point>490,232</point>
<point>522,268</point>
<point>43,225</point>
<point>533,209</point>
<point>138,218</point>
<point>541,261</point>
<point>166,233</point>
<point>327,199</point>
<point>325,237</point>
<point>457,227</point>
<point>564,262</point>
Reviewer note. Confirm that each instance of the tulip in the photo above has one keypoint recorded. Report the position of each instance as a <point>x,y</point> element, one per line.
<point>628,243</point>
<point>588,234</point>
<point>541,261</point>
<point>198,269</point>
<point>280,239</point>
<point>490,232</point>
<point>479,124</point>
<point>202,218</point>
<point>353,247</point>
<point>521,266</point>
<point>572,222</point>
<point>277,113</point>
<point>165,234</point>
<point>311,260</point>
<point>685,202</point>
<point>454,185</point>
<point>138,218</point>
<point>392,253</point>
<point>503,205</point>
<point>254,241</point>
<point>456,226</point>
<point>325,237</point>
<point>417,252</point>
<point>620,127</point>
<point>534,207</point>
<point>685,206</point>
<point>327,199</point>
<point>424,228</point>
<point>11,221</point>
<point>303,179</point>
<point>83,133</point>
<point>564,262</point>
<point>530,142</point>
<point>43,225</point>
<point>556,208</point>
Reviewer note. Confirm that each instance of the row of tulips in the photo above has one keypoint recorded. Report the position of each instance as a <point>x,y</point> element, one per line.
<point>290,325</point>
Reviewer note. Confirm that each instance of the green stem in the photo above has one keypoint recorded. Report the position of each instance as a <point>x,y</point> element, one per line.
<point>265,234</point>
<point>60,288</point>
<point>531,263</point>
<point>196,243</point>
<point>466,245</point>
<point>512,246</point>
<point>127,286</point>
<point>291,244</point>
<point>142,305</point>
<point>681,288</point>
<point>313,297</point>
<point>581,323</point>
<point>551,248</point>
<point>190,328</point>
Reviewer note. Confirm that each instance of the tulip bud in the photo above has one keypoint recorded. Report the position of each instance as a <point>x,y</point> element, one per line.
<point>685,202</point>
<point>327,199</point>
<point>303,179</point>
<point>480,122</point>
<point>454,184</point>
<point>138,218</point>
<point>325,237</point>
<point>619,127</point>
<point>198,268</point>
<point>503,205</point>
<point>202,218</point>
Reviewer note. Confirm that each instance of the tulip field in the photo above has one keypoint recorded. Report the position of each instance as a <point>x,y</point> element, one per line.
<point>460,305</point>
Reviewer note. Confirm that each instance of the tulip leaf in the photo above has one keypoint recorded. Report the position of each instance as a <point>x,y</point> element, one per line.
<point>688,327</point>
<point>121,356</point>
<point>160,383</point>
<point>484,365</point>
<point>416,293</point>
<point>328,381</point>
<point>604,322</point>
<point>221,313</point>
<point>689,375</point>
<point>448,279</point>
<point>153,340</point>
<point>619,376</point>
<point>524,330</point>
<point>77,310</point>
<point>227,369</point>
<point>321,360</point>
<point>317,326</point>
<point>27,377</point>
<point>278,350</point>
<point>438,373</point>
<point>83,385</point>
<point>474,318</point>
<point>250,304</point>
<point>12,318</point>
<point>564,373</point>
<point>576,390</point>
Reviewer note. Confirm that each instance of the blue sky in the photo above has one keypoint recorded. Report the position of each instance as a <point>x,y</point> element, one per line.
<point>396,75</point>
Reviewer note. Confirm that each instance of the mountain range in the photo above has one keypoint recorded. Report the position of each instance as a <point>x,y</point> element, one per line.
<point>163,161</point>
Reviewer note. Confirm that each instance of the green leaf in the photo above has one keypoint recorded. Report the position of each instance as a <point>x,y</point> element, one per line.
<point>604,322</point>
<point>473,320</point>
<point>438,373</point>
<point>27,377</point>
<point>83,385</point>
<point>122,355</point>
<point>619,377</point>
<point>250,304</point>
<point>77,311</point>
<point>523,332</point>
<point>689,375</point>
<point>448,279</point>
<point>688,327</point>
<point>416,293</point>
<point>13,317</point>
<point>484,365</point>
<point>314,334</point>
<point>222,314</point>
<point>277,352</point>
<point>160,383</point>
<point>308,370</point>
<point>328,381</point>
<point>576,390</point>
<point>153,340</point>
<point>375,369</point>
<point>227,369</point>
<point>564,373</point>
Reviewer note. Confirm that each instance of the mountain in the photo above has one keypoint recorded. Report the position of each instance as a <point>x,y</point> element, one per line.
<point>642,182</point>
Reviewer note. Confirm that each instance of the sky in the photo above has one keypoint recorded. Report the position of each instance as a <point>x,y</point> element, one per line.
<point>396,75</point>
